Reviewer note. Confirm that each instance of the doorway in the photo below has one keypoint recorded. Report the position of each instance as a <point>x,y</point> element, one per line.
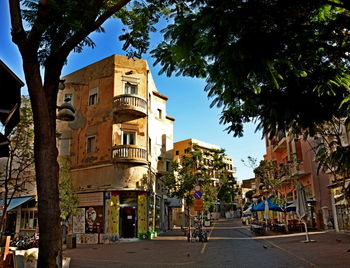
<point>10,227</point>
<point>128,220</point>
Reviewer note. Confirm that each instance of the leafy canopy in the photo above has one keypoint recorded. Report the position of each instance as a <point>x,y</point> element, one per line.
<point>283,63</point>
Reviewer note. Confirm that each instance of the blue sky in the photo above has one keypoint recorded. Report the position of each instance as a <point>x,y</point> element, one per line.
<point>188,102</point>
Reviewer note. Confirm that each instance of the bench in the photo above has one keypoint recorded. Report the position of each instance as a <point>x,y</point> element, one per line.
<point>257,229</point>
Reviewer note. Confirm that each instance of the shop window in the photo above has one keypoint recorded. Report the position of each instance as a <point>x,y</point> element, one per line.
<point>90,145</point>
<point>129,138</point>
<point>130,89</point>
<point>29,219</point>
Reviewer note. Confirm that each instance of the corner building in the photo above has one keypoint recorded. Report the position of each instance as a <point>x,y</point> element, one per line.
<point>119,146</point>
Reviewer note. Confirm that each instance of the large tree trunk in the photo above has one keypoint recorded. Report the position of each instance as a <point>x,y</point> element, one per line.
<point>43,101</point>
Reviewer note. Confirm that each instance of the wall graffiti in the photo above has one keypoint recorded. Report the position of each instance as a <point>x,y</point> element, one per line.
<point>142,213</point>
<point>87,238</point>
<point>109,239</point>
<point>79,221</point>
<point>114,215</point>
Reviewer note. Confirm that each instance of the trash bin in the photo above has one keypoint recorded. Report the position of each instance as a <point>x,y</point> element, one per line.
<point>71,241</point>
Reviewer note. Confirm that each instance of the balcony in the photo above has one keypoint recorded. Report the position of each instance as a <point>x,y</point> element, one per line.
<point>129,154</point>
<point>279,142</point>
<point>128,104</point>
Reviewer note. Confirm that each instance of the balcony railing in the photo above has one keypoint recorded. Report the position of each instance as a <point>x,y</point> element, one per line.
<point>131,104</point>
<point>129,153</point>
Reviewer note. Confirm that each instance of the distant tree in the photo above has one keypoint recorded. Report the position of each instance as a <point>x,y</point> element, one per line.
<point>17,174</point>
<point>282,63</point>
<point>199,166</point>
<point>185,174</point>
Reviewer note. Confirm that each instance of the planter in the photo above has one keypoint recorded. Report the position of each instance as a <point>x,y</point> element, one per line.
<point>144,236</point>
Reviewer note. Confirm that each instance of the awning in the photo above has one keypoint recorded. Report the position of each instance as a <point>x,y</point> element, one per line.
<point>272,206</point>
<point>16,201</point>
<point>291,205</point>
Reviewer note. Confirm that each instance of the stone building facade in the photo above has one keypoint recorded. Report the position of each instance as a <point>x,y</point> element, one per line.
<point>118,145</point>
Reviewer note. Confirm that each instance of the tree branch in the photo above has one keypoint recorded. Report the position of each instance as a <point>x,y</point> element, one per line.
<point>42,18</point>
<point>72,42</point>
<point>18,34</point>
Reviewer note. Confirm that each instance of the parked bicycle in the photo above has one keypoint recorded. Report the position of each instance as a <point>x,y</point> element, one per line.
<point>25,242</point>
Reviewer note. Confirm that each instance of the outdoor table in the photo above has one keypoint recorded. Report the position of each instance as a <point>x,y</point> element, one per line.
<point>257,229</point>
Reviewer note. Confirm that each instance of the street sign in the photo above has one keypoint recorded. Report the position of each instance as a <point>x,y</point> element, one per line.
<point>198,204</point>
<point>197,195</point>
<point>197,188</point>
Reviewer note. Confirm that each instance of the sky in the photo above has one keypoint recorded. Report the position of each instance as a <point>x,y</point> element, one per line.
<point>188,103</point>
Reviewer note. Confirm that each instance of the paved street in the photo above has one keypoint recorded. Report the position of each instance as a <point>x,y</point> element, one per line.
<point>230,245</point>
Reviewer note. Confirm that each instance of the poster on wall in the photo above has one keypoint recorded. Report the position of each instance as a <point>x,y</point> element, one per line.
<point>79,221</point>
<point>94,219</point>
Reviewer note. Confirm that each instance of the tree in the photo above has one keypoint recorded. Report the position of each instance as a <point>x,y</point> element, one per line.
<point>332,151</point>
<point>46,32</point>
<point>198,166</point>
<point>282,63</point>
<point>18,174</point>
<point>69,200</point>
<point>184,175</point>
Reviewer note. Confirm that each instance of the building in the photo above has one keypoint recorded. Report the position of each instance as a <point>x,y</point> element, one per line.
<point>180,149</point>
<point>21,214</point>
<point>119,146</point>
<point>293,158</point>
<point>246,186</point>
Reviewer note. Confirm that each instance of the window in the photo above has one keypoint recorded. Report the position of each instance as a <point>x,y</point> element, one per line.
<point>90,148</point>
<point>130,89</point>
<point>150,145</point>
<point>29,219</point>
<point>93,96</point>
<point>177,152</point>
<point>129,138</point>
<point>149,100</point>
<point>159,113</point>
<point>68,97</point>
<point>92,99</point>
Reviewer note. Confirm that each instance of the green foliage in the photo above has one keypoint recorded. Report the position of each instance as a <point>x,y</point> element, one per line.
<point>332,152</point>
<point>283,63</point>
<point>19,169</point>
<point>198,166</point>
<point>69,200</point>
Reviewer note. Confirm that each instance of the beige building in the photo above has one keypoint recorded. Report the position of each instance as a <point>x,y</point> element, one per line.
<point>180,149</point>
<point>119,146</point>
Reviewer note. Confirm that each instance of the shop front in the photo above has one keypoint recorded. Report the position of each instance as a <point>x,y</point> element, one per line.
<point>106,217</point>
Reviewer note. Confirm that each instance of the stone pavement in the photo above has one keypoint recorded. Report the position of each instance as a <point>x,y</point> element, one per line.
<point>171,249</point>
